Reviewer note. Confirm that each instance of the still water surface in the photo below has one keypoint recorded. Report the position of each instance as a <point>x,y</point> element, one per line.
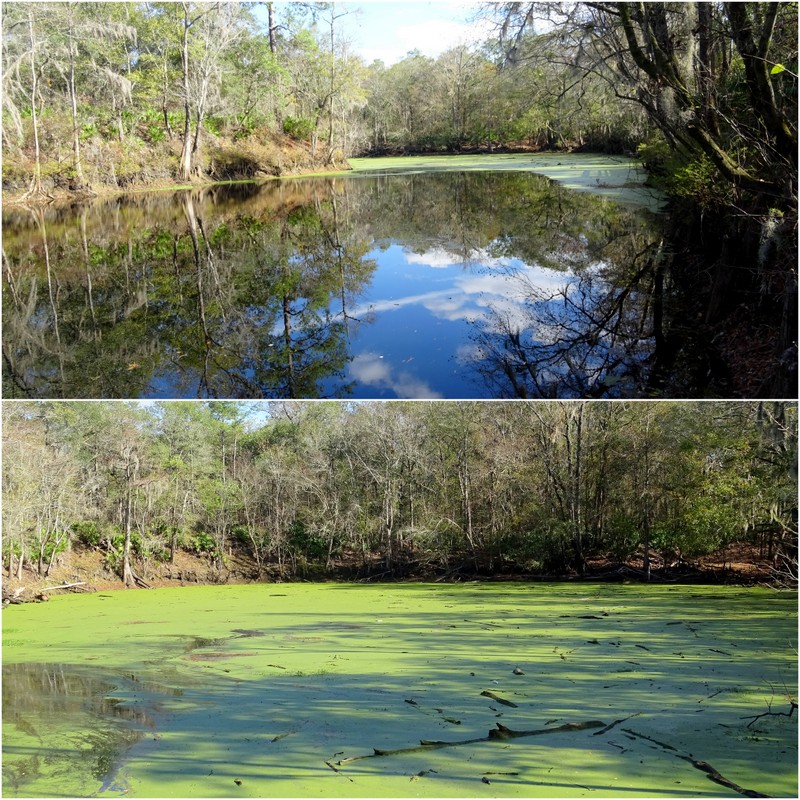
<point>424,285</point>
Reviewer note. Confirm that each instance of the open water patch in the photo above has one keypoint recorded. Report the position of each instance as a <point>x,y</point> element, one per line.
<point>426,284</point>
<point>80,720</point>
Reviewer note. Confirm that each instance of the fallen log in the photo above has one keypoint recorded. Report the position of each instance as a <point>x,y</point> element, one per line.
<point>498,699</point>
<point>63,586</point>
<point>703,766</point>
<point>500,732</point>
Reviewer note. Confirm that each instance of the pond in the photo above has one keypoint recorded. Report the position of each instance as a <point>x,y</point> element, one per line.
<point>328,690</point>
<point>484,277</point>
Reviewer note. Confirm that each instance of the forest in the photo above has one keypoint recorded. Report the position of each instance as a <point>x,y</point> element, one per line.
<point>127,94</point>
<point>116,97</point>
<point>288,490</point>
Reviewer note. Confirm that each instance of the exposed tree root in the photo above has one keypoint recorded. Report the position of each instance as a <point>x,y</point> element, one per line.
<point>140,582</point>
<point>35,195</point>
<point>501,732</point>
<point>703,766</point>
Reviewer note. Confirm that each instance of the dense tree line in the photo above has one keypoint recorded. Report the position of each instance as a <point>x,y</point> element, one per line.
<point>120,92</point>
<point>324,489</point>
<point>132,93</point>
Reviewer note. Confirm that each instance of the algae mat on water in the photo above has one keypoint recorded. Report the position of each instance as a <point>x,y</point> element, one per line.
<point>472,690</point>
<point>614,177</point>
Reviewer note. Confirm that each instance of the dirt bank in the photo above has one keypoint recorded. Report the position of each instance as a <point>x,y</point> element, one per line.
<point>85,570</point>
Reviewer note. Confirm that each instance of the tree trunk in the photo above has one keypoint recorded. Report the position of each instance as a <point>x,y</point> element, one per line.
<point>36,182</point>
<point>273,48</point>
<point>127,572</point>
<point>164,95</point>
<point>73,99</point>
<point>186,149</point>
<point>40,563</point>
<point>575,455</point>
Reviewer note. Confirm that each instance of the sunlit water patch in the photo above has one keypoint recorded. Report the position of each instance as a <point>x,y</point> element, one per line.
<point>428,284</point>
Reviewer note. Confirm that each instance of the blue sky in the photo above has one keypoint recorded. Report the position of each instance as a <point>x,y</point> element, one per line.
<point>388,30</point>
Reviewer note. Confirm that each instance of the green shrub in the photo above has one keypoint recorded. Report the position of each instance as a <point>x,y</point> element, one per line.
<point>113,560</point>
<point>700,181</point>
<point>87,533</point>
<point>306,542</point>
<point>88,131</point>
<point>656,156</point>
<point>298,127</point>
<point>155,134</point>
<point>202,543</point>
<point>214,125</point>
<point>52,548</point>
<point>622,535</point>
<point>240,534</point>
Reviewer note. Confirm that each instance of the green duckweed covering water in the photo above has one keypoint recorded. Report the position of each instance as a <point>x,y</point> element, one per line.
<point>615,177</point>
<point>279,690</point>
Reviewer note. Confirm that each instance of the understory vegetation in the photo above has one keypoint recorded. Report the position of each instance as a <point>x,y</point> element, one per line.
<point>396,490</point>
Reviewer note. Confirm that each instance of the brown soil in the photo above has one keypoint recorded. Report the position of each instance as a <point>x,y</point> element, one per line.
<point>739,564</point>
<point>270,156</point>
<point>86,566</point>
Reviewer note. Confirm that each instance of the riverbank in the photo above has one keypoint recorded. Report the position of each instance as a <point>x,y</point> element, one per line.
<point>152,169</point>
<point>622,178</point>
<point>85,570</point>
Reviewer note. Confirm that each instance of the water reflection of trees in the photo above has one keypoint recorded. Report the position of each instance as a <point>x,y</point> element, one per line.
<point>235,300</point>
<point>507,214</point>
<point>597,333</point>
<point>38,697</point>
<point>45,691</point>
<point>595,336</point>
<point>247,291</point>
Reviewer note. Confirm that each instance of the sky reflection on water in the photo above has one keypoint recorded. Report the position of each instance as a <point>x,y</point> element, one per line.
<point>425,308</point>
<point>442,285</point>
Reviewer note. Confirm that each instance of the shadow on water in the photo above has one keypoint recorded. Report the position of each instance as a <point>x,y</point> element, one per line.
<point>37,697</point>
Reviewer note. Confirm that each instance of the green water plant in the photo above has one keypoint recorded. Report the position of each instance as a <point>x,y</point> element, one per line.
<point>387,690</point>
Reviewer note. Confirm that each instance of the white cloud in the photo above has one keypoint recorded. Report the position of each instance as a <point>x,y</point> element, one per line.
<point>371,368</point>
<point>481,298</point>
<point>438,258</point>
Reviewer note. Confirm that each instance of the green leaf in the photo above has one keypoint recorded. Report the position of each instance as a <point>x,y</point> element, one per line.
<point>777,69</point>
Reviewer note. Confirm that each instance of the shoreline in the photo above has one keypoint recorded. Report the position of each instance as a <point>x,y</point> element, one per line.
<point>85,574</point>
<point>65,197</point>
